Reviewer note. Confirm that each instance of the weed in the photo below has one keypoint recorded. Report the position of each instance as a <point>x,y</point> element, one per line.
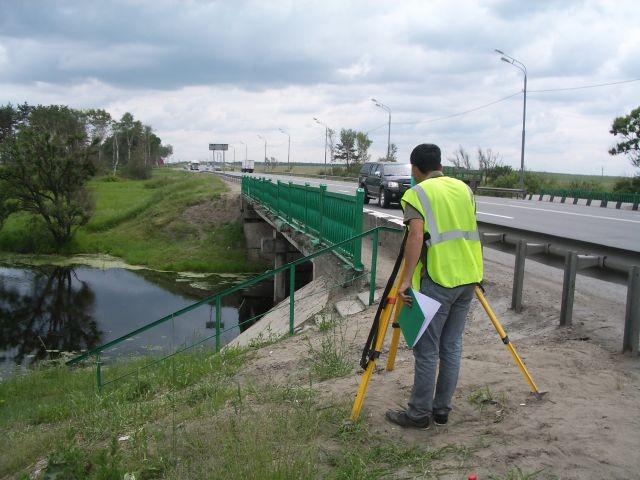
<point>483,396</point>
<point>330,359</point>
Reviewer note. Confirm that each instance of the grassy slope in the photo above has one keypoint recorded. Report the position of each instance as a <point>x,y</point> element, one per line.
<point>193,418</point>
<point>143,222</point>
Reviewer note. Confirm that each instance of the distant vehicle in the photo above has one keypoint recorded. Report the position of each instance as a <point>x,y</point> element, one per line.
<point>217,168</point>
<point>385,181</point>
<point>194,166</point>
<point>247,166</point>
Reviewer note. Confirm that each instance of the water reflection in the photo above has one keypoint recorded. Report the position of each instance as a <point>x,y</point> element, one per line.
<point>45,310</point>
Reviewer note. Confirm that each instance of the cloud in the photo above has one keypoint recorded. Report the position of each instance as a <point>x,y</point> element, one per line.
<point>226,71</point>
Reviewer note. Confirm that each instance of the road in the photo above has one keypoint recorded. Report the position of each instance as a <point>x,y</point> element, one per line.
<point>602,226</point>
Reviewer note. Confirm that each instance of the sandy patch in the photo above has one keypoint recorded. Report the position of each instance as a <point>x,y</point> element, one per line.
<point>588,427</point>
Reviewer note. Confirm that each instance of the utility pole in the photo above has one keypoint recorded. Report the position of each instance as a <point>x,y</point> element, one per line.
<point>265,149</point>
<point>388,110</point>
<point>518,64</point>
<point>288,150</point>
<point>326,140</point>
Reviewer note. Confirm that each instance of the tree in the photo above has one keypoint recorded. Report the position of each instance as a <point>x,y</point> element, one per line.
<point>487,159</point>
<point>363,142</point>
<point>628,128</point>
<point>46,166</point>
<point>99,124</point>
<point>393,157</point>
<point>331,143</point>
<point>346,149</point>
<point>460,159</point>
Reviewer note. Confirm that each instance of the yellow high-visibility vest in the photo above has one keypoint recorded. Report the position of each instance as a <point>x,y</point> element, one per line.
<point>454,252</point>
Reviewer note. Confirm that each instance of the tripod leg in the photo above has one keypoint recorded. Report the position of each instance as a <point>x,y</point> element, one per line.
<point>507,342</point>
<point>382,331</point>
<point>395,338</point>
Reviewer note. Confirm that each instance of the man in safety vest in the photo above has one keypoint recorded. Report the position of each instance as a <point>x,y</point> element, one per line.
<point>443,259</point>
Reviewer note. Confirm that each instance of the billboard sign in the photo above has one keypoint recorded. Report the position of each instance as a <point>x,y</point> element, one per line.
<point>218,146</point>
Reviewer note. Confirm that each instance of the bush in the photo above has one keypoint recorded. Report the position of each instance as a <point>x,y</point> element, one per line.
<point>589,185</point>
<point>628,185</point>
<point>137,171</point>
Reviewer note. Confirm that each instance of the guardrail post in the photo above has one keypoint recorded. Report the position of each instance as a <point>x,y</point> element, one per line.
<point>99,373</point>
<point>568,288</point>
<point>292,288</point>
<point>323,190</point>
<point>374,264</point>
<point>632,318</point>
<point>518,276</point>
<point>605,200</point>
<point>218,321</point>
<point>278,197</point>
<point>636,201</point>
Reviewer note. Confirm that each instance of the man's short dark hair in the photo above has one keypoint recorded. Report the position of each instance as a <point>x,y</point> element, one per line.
<point>426,157</point>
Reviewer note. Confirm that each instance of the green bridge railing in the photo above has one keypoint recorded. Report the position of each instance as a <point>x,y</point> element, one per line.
<point>111,352</point>
<point>328,217</point>
<point>589,196</point>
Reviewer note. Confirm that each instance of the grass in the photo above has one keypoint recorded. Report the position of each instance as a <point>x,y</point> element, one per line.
<point>330,359</point>
<point>193,418</point>
<point>144,222</point>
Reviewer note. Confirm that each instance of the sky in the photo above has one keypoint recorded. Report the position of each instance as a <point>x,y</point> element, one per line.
<point>201,72</point>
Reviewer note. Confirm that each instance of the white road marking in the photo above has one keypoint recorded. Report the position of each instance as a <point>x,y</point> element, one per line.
<point>563,213</point>
<point>495,215</point>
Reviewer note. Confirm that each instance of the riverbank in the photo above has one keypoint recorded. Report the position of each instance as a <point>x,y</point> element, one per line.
<point>175,221</point>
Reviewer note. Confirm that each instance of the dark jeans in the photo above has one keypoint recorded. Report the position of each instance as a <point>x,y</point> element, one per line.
<point>443,341</point>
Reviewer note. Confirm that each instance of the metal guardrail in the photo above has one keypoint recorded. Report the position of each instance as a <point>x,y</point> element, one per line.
<point>328,217</point>
<point>573,262</point>
<point>509,191</point>
<point>216,299</point>
<point>605,197</point>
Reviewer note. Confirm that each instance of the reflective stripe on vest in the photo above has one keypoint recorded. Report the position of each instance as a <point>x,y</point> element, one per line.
<point>436,236</point>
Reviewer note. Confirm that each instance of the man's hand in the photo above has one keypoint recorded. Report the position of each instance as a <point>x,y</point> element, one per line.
<point>404,286</point>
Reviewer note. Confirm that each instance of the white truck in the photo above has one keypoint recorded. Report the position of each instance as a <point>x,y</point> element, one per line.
<point>247,166</point>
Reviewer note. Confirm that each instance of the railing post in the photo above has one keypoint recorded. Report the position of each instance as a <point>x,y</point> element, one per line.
<point>306,208</point>
<point>290,195</point>
<point>356,246</point>
<point>632,317</point>
<point>374,264</point>
<point>277,211</point>
<point>292,288</point>
<point>99,373</point>
<point>568,288</point>
<point>218,321</point>
<point>518,276</point>
<point>323,189</point>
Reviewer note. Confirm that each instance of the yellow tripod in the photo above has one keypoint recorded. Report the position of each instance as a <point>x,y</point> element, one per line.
<point>391,308</point>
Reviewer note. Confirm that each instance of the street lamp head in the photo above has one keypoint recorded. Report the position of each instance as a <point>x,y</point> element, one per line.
<point>498,51</point>
<point>374,100</point>
<point>506,60</point>
<point>282,131</point>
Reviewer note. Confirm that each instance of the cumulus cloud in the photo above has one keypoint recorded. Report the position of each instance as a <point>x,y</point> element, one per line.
<point>226,71</point>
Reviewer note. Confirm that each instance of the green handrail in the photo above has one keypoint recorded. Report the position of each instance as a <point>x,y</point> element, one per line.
<point>216,297</point>
<point>329,217</point>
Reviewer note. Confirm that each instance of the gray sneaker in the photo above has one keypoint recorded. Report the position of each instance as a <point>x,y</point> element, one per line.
<point>400,417</point>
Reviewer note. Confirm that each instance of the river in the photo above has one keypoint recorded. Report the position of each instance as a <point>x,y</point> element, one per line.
<point>49,309</point>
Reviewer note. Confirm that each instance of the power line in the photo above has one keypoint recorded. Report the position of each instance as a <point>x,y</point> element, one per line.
<point>480,107</point>
<point>584,86</point>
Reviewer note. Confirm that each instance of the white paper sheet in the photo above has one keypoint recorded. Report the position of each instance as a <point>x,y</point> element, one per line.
<point>429,308</point>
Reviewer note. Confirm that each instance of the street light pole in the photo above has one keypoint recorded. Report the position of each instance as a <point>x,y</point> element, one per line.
<point>245,154</point>
<point>288,149</point>
<point>388,110</point>
<point>326,139</point>
<point>265,149</point>
<point>518,64</point>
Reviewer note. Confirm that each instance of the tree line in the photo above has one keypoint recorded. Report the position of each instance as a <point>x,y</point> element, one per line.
<point>49,153</point>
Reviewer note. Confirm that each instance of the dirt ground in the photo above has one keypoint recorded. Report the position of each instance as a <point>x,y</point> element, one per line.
<point>588,425</point>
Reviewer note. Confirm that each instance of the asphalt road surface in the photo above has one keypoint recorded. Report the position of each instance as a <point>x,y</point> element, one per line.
<point>603,226</point>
